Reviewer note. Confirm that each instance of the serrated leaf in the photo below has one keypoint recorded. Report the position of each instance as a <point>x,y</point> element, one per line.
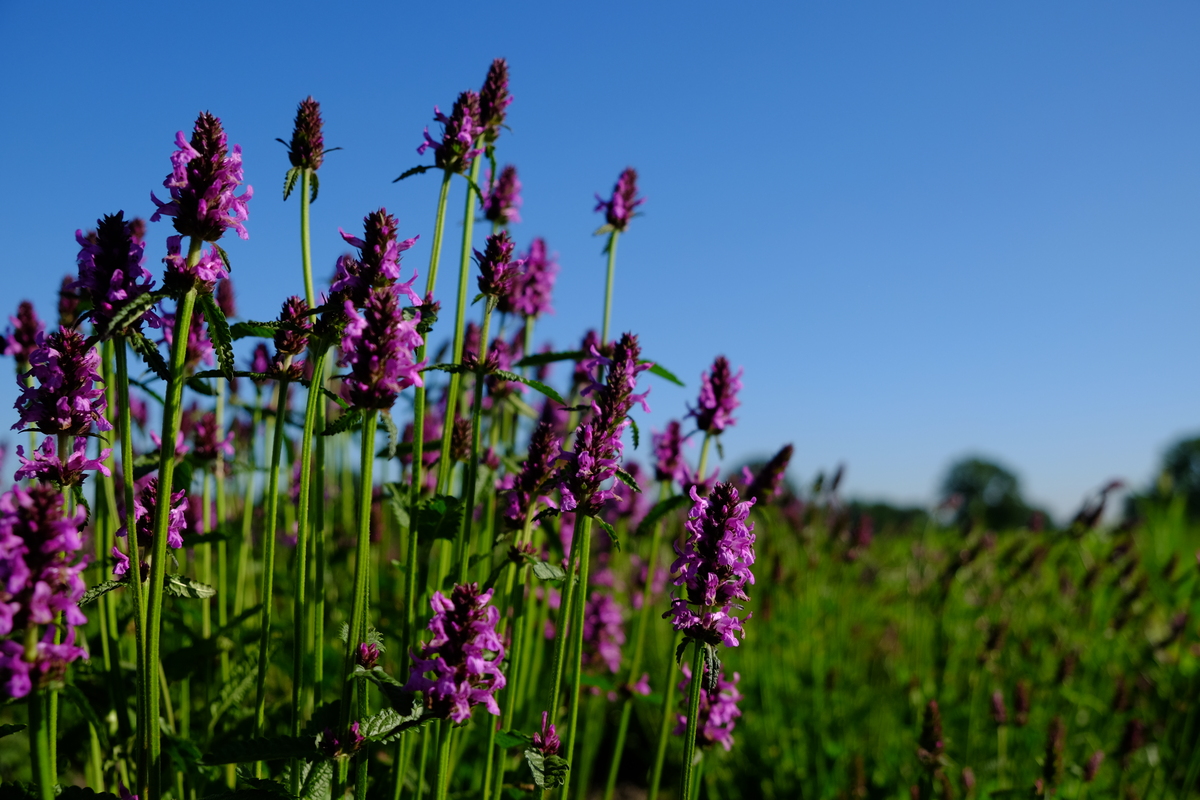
<point>377,725</point>
<point>451,368</point>
<point>343,423</point>
<point>610,530</point>
<point>393,433</point>
<point>197,385</point>
<point>181,586</point>
<point>549,772</point>
<point>130,313</point>
<point>274,748</point>
<point>635,431</point>
<point>395,498</point>
<point>99,590</point>
<point>263,330</point>
<point>713,662</point>
<point>628,480</point>
<point>680,650</point>
<point>77,490</point>
<point>440,517</point>
<point>11,728</point>
<point>407,706</point>
<point>663,372</point>
<point>538,359</point>
<point>289,181</point>
<point>541,387</point>
<point>318,782</point>
<point>314,185</point>
<point>507,739</point>
<point>660,510</point>
<point>224,257</point>
<point>421,170</point>
<point>218,331</point>
<point>149,353</point>
<point>85,709</point>
<point>549,572</point>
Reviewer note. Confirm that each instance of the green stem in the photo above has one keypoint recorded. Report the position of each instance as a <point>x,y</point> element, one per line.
<point>583,538</point>
<point>560,636</point>
<point>319,539</point>
<point>693,718</point>
<point>39,738</point>
<point>172,410</point>
<point>362,562</point>
<point>463,546</point>
<point>460,313</point>
<point>665,723</point>
<point>608,284</point>
<point>441,779</point>
<point>267,582</point>
<point>703,457</point>
<point>243,567</point>
<point>516,658</point>
<point>222,549</point>
<point>305,249</point>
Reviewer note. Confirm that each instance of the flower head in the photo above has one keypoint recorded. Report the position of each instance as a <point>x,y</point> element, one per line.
<point>180,276</point>
<point>291,337</point>
<point>460,130</point>
<point>337,745</point>
<point>111,271</point>
<point>378,345</point>
<point>529,486</point>
<point>65,398</point>
<point>494,100</point>
<point>620,208</point>
<point>718,709</point>
<point>146,508</point>
<point>368,655</point>
<point>714,567</point>
<point>930,745</point>
<point>22,338</point>
<point>614,398</point>
<point>307,148</point>
<point>19,676</point>
<point>502,202</point>
<point>204,178</point>
<point>207,442</point>
<point>531,289</point>
<point>47,466</point>
<point>547,740</point>
<point>765,485</point>
<point>464,633</point>
<point>497,269</point>
<point>581,479</point>
<point>718,397</point>
<point>668,453</point>
<point>378,263</point>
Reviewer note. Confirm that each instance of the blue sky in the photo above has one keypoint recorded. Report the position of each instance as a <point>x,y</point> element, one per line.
<point>925,230</point>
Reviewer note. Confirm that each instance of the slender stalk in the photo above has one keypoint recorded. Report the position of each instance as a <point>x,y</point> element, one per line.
<point>243,567</point>
<point>584,538</point>
<point>460,312</point>
<point>267,582</point>
<point>305,250</point>
<point>560,636</point>
<point>608,284</point>
<point>463,547</point>
<point>39,738</point>
<point>441,779</point>
<point>665,726</point>
<point>319,521</point>
<point>693,719</point>
<point>639,642</point>
<point>222,548</point>
<point>172,410</point>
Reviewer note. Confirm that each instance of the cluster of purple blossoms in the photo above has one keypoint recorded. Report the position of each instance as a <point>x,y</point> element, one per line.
<point>378,263</point>
<point>494,100</point>
<point>110,269</point>
<point>179,276</point>
<point>39,579</point>
<point>533,286</point>
<point>379,346</point>
<point>307,148</point>
<point>145,504</point>
<point>22,337</point>
<point>338,745</point>
<point>291,337</point>
<point>718,710</point>
<point>718,397</point>
<point>207,442</point>
<point>603,631</point>
<point>713,567</point>
<point>528,487</point>
<point>502,202</point>
<point>497,269</point>
<point>668,453</point>
<point>460,130</point>
<point>464,632</point>
<point>764,487</point>
<point>546,741</point>
<point>619,209</point>
<point>46,465</point>
<point>591,463</point>
<point>199,346</point>
<point>66,399</point>
<point>204,178</point>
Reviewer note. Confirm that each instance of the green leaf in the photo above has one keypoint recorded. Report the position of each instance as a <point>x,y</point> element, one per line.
<point>393,432</point>
<point>81,499</point>
<point>660,510</point>
<point>218,331</point>
<point>530,382</point>
<point>407,706</point>
<point>628,480</point>
<point>11,728</point>
<point>196,384</point>
<point>440,518</point>
<point>149,353</point>
<point>713,662</point>
<point>80,702</point>
<point>263,330</point>
<point>379,725</point>
<point>99,590</point>
<point>451,368</point>
<point>318,781</point>
<point>274,748</point>
<point>395,499</point>
<point>345,422</point>
<point>664,373</point>
<point>549,772</point>
<point>289,181</point>
<point>549,572</point>
<point>539,359</point>
<point>314,185</point>
<point>180,586</point>
<point>131,312</point>
<point>224,257</point>
<point>610,530</point>
<point>242,679</point>
<point>507,739</point>
<point>637,434</point>
<point>408,173</point>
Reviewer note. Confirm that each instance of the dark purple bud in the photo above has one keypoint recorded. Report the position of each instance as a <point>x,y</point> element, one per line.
<point>21,339</point>
<point>1052,766</point>
<point>340,745</point>
<point>1022,703</point>
<point>668,453</point>
<point>68,303</point>
<point>294,327</point>
<point>460,440</point>
<point>619,209</point>
<point>502,203</point>
<point>999,712</point>
<point>307,148</point>
<point>368,655</point>
<point>378,264</point>
<point>111,271</point>
<point>497,270</point>
<point>530,486</point>
<point>1092,767</point>
<point>718,397</point>
<point>460,130</point>
<point>766,483</point>
<point>534,285</point>
<point>547,740</point>
<point>494,99</point>
<point>1132,740</point>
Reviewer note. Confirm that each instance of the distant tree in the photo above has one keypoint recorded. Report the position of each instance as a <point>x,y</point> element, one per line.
<point>981,492</point>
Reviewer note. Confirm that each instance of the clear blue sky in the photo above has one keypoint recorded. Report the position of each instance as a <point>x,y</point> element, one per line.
<point>924,229</point>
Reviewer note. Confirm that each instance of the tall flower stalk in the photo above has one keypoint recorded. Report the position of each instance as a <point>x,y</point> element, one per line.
<point>618,210</point>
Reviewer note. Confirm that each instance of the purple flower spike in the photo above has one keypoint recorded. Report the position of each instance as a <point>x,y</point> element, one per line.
<point>294,326</point>
<point>497,270</point>
<point>111,271</point>
<point>368,655</point>
<point>18,676</point>
<point>581,479</point>
<point>494,100</point>
<point>615,397</point>
<point>668,453</point>
<point>460,130</point>
<point>620,208</point>
<point>547,740</point>
<point>718,397</point>
<point>47,466</point>
<point>532,288</point>
<point>225,298</point>
<point>307,148</point>
<point>464,632</point>
<point>378,263</point>
<point>207,440</point>
<point>378,346</point>
<point>65,399</point>
<point>603,632</point>
<point>529,487</point>
<point>503,203</point>
<point>145,507</point>
<point>718,710</point>
<point>766,483</point>
<point>714,567</point>
<point>203,180</point>
<point>22,338</point>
